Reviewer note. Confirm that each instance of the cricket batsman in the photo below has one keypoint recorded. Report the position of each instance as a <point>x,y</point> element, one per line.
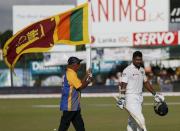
<point>133,78</point>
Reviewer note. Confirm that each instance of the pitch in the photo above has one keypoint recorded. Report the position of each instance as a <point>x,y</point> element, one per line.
<point>100,114</point>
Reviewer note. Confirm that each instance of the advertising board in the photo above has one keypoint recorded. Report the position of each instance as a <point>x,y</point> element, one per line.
<point>114,21</point>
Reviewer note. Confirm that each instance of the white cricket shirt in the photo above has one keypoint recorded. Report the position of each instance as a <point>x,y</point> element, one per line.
<point>134,78</point>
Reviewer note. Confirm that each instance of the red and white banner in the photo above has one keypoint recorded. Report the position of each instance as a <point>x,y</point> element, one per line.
<point>155,39</point>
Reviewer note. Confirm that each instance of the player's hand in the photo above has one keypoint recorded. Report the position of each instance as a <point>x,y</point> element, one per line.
<point>158,97</point>
<point>89,73</point>
<point>89,76</point>
<point>121,103</point>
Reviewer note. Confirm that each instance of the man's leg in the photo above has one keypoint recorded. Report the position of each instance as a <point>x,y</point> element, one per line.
<point>78,122</point>
<point>134,107</point>
<point>136,123</point>
<point>65,120</point>
<point>131,124</point>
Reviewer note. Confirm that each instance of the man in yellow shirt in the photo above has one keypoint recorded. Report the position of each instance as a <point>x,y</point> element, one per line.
<point>71,94</point>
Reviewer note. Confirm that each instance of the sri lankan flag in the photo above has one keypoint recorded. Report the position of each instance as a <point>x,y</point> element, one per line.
<point>70,27</point>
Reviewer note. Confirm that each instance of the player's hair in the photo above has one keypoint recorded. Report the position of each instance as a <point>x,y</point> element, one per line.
<point>137,53</point>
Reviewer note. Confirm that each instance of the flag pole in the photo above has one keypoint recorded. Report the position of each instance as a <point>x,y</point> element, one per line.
<point>90,33</point>
<point>88,47</point>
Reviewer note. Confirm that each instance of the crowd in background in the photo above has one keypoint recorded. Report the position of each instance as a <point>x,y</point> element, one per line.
<point>163,79</point>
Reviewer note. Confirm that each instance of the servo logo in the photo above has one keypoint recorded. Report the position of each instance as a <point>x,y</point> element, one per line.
<point>155,38</point>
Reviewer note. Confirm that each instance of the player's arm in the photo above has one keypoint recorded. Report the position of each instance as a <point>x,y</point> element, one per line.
<point>76,82</point>
<point>87,79</point>
<point>149,87</point>
<point>121,100</point>
<point>147,84</point>
<point>124,82</point>
<point>157,96</point>
<point>122,90</point>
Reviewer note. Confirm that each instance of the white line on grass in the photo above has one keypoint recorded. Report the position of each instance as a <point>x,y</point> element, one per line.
<point>100,105</point>
<point>22,96</point>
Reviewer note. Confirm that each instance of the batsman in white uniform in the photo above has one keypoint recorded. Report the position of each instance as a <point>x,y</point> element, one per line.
<point>132,81</point>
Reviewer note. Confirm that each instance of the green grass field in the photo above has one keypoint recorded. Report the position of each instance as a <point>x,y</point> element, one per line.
<point>100,114</point>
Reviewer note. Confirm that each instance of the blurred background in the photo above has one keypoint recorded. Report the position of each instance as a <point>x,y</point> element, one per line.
<point>118,28</point>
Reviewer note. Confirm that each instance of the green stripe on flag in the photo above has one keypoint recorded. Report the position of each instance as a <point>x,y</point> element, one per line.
<point>76,25</point>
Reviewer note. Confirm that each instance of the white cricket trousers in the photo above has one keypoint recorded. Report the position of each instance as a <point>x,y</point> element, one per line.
<point>136,121</point>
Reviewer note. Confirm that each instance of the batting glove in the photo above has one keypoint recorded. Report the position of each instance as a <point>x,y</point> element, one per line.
<point>158,97</point>
<point>121,103</point>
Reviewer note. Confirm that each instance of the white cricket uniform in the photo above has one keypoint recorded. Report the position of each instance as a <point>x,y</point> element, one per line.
<point>134,78</point>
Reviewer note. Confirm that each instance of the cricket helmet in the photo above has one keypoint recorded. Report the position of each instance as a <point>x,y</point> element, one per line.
<point>161,108</point>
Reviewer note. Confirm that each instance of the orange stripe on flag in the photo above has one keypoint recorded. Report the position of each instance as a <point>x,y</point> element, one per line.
<point>63,28</point>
